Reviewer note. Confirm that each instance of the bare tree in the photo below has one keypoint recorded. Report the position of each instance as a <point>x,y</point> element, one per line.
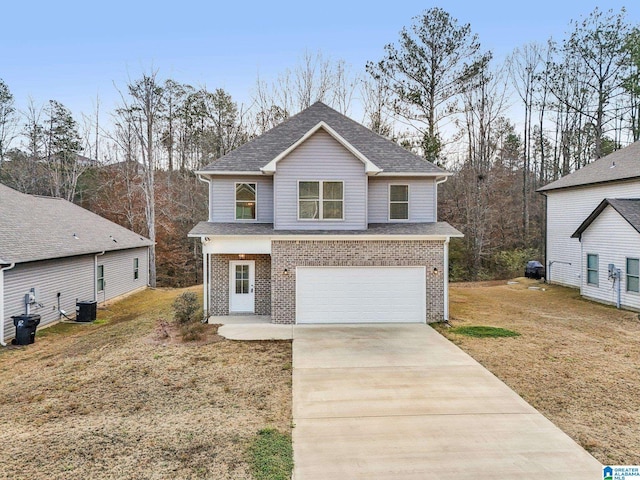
<point>525,66</point>
<point>8,119</point>
<point>376,105</point>
<point>143,110</point>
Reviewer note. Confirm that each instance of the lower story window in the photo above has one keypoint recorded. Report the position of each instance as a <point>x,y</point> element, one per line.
<point>592,269</point>
<point>136,270</point>
<point>100,278</point>
<point>633,275</point>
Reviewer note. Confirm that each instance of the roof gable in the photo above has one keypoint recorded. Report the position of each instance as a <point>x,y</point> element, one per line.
<point>369,166</point>
<point>627,208</point>
<point>381,152</point>
<point>620,165</point>
<point>38,228</point>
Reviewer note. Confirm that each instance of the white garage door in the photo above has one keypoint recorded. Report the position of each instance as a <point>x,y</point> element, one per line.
<point>360,295</point>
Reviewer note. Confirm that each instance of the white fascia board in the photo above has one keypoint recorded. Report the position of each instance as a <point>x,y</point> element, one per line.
<point>237,244</point>
<point>370,167</point>
<point>414,174</point>
<point>363,237</point>
<point>212,174</point>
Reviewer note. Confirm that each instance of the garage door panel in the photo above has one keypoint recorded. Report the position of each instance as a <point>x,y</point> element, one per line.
<point>360,294</point>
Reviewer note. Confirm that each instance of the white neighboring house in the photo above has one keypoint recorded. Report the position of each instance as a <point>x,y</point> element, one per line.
<point>610,241</point>
<point>572,199</point>
<point>59,253</point>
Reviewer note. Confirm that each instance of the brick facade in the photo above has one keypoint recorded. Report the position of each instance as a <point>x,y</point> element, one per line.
<point>288,254</point>
<point>220,283</point>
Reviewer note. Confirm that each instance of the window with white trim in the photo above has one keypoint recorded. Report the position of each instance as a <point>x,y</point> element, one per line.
<point>320,200</point>
<point>246,201</point>
<point>398,202</point>
<point>633,275</point>
<point>100,278</point>
<point>592,269</point>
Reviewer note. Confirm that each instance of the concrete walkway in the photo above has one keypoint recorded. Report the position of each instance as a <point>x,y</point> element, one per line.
<point>251,327</point>
<point>402,402</point>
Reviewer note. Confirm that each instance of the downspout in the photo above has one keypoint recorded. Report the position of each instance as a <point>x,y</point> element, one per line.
<point>446,279</point>
<point>435,200</point>
<point>546,237</point>
<point>208,182</point>
<point>95,276</point>
<point>2,270</point>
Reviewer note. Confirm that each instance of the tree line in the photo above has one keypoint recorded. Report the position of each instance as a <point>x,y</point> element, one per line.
<point>504,128</point>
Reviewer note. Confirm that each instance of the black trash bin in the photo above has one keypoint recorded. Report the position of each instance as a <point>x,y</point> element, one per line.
<point>25,329</point>
<point>86,311</point>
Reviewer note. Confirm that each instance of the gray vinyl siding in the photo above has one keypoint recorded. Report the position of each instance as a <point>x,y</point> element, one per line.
<point>74,278</point>
<point>223,198</point>
<point>422,199</point>
<point>118,272</point>
<point>611,238</point>
<point>566,210</point>
<point>320,157</point>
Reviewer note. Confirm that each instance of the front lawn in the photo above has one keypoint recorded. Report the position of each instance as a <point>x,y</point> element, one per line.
<point>576,361</point>
<point>118,399</point>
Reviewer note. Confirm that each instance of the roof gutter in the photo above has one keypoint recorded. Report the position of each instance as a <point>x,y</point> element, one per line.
<point>2,270</point>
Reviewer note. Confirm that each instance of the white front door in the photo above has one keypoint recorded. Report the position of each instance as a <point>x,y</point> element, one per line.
<point>241,286</point>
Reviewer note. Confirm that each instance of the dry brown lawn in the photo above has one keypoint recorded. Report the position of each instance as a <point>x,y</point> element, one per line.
<point>576,361</point>
<point>116,400</point>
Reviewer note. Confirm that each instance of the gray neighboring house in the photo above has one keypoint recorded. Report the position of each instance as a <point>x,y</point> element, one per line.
<point>320,220</point>
<point>60,253</point>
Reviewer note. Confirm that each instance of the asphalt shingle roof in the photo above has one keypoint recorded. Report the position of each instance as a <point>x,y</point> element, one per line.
<point>628,208</point>
<point>232,229</point>
<point>622,164</point>
<point>384,153</point>
<point>38,228</point>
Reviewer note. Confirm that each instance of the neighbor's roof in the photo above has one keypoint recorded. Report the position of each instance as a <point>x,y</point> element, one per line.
<point>385,154</point>
<point>628,208</point>
<point>38,228</point>
<point>438,229</point>
<point>620,165</point>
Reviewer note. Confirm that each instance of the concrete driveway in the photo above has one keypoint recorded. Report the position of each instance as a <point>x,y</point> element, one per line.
<point>402,402</point>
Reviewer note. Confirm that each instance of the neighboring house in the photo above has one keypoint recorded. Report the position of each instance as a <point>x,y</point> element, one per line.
<point>320,220</point>
<point>610,243</point>
<point>57,253</point>
<point>573,198</point>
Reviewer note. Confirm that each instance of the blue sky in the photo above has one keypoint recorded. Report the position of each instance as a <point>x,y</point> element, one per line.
<point>74,51</point>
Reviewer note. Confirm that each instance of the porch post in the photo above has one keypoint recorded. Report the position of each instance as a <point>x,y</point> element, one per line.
<point>205,282</point>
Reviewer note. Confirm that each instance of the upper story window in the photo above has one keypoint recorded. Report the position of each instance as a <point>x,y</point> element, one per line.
<point>592,269</point>
<point>398,202</point>
<point>245,201</point>
<point>633,275</point>
<point>321,200</point>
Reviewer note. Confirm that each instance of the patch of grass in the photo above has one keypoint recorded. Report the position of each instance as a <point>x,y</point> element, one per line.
<point>481,331</point>
<point>271,455</point>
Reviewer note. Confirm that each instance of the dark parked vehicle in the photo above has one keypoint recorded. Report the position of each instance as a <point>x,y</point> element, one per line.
<point>534,269</point>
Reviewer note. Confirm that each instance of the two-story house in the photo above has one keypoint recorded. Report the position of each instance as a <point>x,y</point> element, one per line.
<point>320,220</point>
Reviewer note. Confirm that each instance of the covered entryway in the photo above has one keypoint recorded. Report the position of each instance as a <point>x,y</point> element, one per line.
<point>360,295</point>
